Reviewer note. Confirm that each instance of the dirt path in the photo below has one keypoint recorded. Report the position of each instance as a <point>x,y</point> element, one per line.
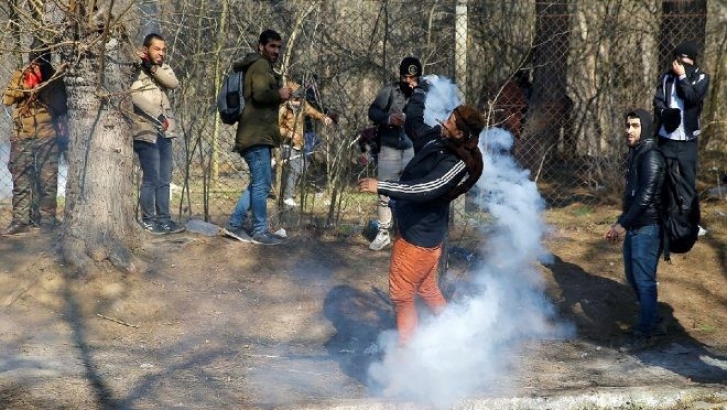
<point>219,324</point>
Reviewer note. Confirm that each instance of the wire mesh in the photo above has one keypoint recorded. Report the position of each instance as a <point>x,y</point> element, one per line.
<point>559,75</point>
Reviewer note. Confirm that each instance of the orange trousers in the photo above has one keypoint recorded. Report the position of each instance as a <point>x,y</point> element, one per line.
<point>413,271</point>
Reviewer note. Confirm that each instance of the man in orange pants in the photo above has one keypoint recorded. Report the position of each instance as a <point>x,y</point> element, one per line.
<point>446,164</point>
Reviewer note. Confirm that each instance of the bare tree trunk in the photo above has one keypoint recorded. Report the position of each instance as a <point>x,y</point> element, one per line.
<point>99,212</point>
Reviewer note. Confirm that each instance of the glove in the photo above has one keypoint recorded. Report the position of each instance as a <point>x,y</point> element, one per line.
<point>671,118</point>
<point>422,87</point>
<point>163,122</point>
<point>333,116</point>
<point>146,64</point>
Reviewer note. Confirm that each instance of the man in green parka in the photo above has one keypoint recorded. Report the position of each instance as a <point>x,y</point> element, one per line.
<point>257,134</point>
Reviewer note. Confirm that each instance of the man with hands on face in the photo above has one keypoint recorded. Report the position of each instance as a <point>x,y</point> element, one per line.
<point>153,129</point>
<point>678,105</point>
<point>639,225</point>
<point>38,94</point>
<point>447,164</point>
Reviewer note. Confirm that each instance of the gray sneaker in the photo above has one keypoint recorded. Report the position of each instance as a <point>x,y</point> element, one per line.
<point>381,241</point>
<point>265,239</point>
<point>170,226</point>
<point>151,226</point>
<point>237,233</point>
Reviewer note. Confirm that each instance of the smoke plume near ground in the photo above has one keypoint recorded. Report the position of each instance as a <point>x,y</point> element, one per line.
<point>468,349</point>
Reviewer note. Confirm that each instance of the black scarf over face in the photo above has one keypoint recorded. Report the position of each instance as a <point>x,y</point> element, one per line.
<point>405,89</point>
<point>468,151</point>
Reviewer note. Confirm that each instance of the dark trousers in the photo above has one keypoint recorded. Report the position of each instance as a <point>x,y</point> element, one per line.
<point>156,170</point>
<point>34,167</point>
<point>685,153</point>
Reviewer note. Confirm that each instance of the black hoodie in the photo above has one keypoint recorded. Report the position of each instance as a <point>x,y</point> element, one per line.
<point>644,179</point>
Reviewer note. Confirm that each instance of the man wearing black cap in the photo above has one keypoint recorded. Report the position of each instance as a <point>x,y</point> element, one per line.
<point>677,106</point>
<point>395,148</point>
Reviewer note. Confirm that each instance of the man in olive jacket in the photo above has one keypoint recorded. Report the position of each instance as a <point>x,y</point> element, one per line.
<point>39,96</point>
<point>257,134</point>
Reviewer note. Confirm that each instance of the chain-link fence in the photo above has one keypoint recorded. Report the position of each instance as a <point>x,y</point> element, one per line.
<point>559,75</point>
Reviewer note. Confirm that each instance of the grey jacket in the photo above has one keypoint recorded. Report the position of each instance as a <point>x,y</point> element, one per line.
<point>390,100</point>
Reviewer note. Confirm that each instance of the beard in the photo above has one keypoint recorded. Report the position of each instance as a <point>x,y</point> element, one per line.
<point>405,89</point>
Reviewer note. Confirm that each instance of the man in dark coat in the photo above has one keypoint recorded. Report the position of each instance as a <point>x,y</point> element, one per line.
<point>640,223</point>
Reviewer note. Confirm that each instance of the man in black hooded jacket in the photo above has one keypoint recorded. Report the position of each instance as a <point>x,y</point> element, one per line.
<point>678,105</point>
<point>640,223</point>
<point>447,164</point>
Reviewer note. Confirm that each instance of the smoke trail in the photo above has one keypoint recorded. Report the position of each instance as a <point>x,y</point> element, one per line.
<point>470,348</point>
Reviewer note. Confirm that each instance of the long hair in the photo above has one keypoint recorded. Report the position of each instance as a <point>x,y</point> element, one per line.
<point>471,123</point>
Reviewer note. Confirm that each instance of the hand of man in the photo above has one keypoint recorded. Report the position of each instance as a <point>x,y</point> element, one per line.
<point>145,63</point>
<point>163,122</point>
<point>333,115</point>
<point>285,93</point>
<point>396,120</point>
<point>615,233</point>
<point>327,121</point>
<point>677,68</point>
<point>368,185</point>
<point>363,159</point>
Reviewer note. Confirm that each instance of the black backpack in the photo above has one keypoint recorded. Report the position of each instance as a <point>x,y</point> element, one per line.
<point>680,215</point>
<point>230,100</point>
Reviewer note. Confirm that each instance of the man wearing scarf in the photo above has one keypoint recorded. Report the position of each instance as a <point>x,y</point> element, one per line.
<point>447,164</point>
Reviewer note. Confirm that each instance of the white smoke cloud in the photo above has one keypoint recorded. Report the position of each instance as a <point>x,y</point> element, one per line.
<point>470,348</point>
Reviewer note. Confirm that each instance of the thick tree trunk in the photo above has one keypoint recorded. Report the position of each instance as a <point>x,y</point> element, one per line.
<point>99,215</point>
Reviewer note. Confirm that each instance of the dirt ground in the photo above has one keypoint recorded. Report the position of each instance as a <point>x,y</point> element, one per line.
<point>217,324</point>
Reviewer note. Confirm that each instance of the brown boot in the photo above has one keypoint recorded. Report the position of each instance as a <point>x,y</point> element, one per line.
<point>15,229</point>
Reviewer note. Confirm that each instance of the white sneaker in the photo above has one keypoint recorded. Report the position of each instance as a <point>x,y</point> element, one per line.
<point>290,202</point>
<point>381,241</point>
<point>702,231</point>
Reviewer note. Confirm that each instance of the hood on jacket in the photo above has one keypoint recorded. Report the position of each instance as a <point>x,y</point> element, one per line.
<point>646,123</point>
<point>247,61</point>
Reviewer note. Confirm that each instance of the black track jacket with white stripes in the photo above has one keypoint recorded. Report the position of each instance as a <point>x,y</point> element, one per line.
<point>418,197</point>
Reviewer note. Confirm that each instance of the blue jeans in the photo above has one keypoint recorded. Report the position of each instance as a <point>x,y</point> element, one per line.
<point>156,170</point>
<point>642,248</point>
<point>291,173</point>
<point>311,142</point>
<point>254,197</point>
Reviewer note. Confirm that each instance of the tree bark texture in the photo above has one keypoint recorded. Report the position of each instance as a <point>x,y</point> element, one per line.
<point>99,215</point>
